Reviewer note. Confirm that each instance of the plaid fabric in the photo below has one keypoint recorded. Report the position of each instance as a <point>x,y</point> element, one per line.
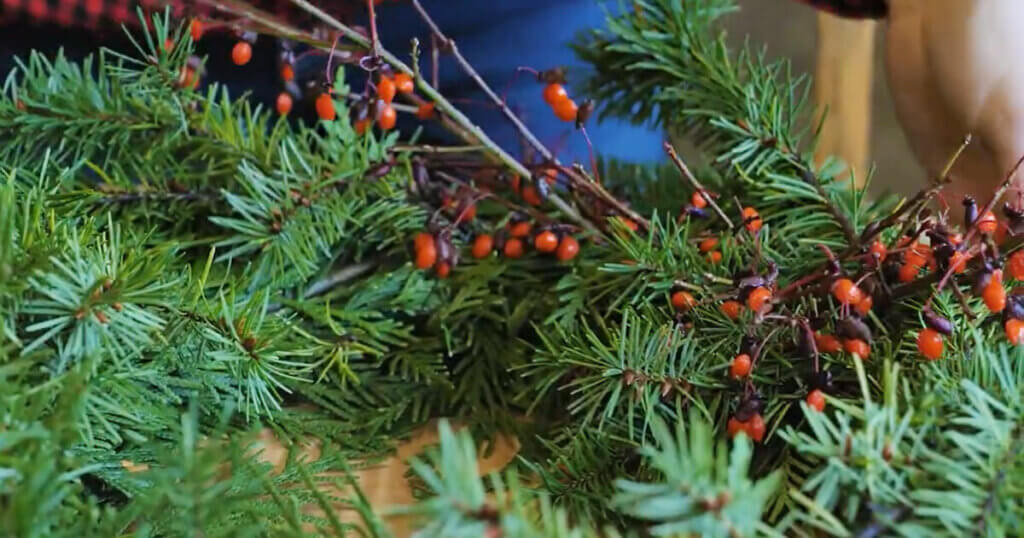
<point>857,9</point>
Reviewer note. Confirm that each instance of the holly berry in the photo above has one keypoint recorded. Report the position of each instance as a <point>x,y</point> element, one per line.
<point>864,306</point>
<point>846,292</point>
<point>740,366</point>
<point>752,219</point>
<point>929,343</point>
<point>683,301</point>
<point>546,241</point>
<point>816,400</point>
<point>566,110</point>
<point>994,295</point>
<point>857,347</point>
<point>731,309</point>
<point>908,272</point>
<point>568,248</point>
<point>714,256</point>
<point>554,94</point>
<point>425,111</point>
<point>697,200</point>
<point>531,196</point>
<point>386,89</point>
<point>1016,265</point>
<point>241,53</point>
<point>1014,331</point>
<point>404,83</point>
<point>482,246</point>
<point>758,298</point>
<point>284,103</point>
<point>878,249</point>
<point>387,117</point>
<point>520,229</point>
<point>195,27</point>
<point>325,107</point>
<point>708,244</point>
<point>988,224</point>
<point>443,269</point>
<point>514,248</point>
<point>826,343</point>
<point>287,73</point>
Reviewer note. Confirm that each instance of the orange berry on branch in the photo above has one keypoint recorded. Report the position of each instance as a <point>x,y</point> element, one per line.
<point>421,240</point>
<point>195,27</point>
<point>443,269</point>
<point>878,249</point>
<point>568,248</point>
<point>325,107</point>
<point>514,248</point>
<point>362,125</point>
<point>758,298</point>
<point>731,309</point>
<point>387,117</point>
<point>734,427</point>
<point>554,94</point>
<point>287,73</point>
<point>826,343</point>
<point>531,195</point>
<point>1016,265</point>
<point>546,241</point>
<point>241,53</point>
<point>386,89</point>
<point>566,110</point>
<point>816,400</point>
<point>404,83</point>
<point>482,246</point>
<point>714,256</point>
<point>752,219</point>
<point>958,261</point>
<point>426,255</point>
<point>708,244</point>
<point>740,366</point>
<point>929,343</point>
<point>908,272</point>
<point>1014,331</point>
<point>756,428</point>
<point>284,103</point>
<point>857,347</point>
<point>520,229</point>
<point>697,200</point>
<point>987,223</point>
<point>846,292</point>
<point>994,294</point>
<point>425,111</point>
<point>864,306</point>
<point>683,301</point>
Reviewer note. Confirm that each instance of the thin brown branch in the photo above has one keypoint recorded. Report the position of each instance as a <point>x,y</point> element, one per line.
<point>685,170</point>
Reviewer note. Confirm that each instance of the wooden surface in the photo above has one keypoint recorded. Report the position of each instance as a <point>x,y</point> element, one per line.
<point>842,86</point>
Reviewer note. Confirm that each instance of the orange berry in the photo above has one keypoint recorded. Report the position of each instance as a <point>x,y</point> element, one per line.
<point>864,306</point>
<point>994,294</point>
<point>287,73</point>
<point>752,219</point>
<point>708,244</point>
<point>734,427</point>
<point>714,256</point>
<point>284,103</point>
<point>386,89</point>
<point>531,196</point>
<point>554,94</point>
<point>916,254</point>
<point>568,248</point>
<point>816,400</point>
<point>857,347</point>
<point>241,53</point>
<point>325,107</point>
<point>1014,331</point>
<point>958,261</point>
<point>514,248</point>
<point>426,255</point>
<point>697,200</point>
<point>425,111</point>
<point>187,79</point>
<point>482,246</point>
<point>929,343</point>
<point>361,126</point>
<point>878,249</point>
<point>520,229</point>
<point>421,240</point>
<point>740,366</point>
<point>566,110</point>
<point>846,292</point>
<point>826,343</point>
<point>908,272</point>
<point>404,83</point>
<point>683,301</point>
<point>755,428</point>
<point>196,29</point>
<point>758,298</point>
<point>1016,265</point>
<point>987,223</point>
<point>546,241</point>
<point>731,309</point>
<point>443,269</point>
<point>387,117</point>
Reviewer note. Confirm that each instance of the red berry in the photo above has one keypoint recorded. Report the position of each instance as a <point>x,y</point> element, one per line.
<point>554,94</point>
<point>386,89</point>
<point>387,117</point>
<point>404,83</point>
<point>826,343</point>
<point>287,73</point>
<point>994,294</point>
<point>566,110</point>
<point>196,29</point>
<point>816,400</point>
<point>758,298</point>
<point>752,219</point>
<point>846,292</point>
<point>878,249</point>
<point>740,367</point>
<point>697,200</point>
<point>714,256</point>
<point>734,427</point>
<point>568,248</point>
<point>987,223</point>
<point>421,240</point>
<point>482,246</point>
<point>755,428</point>
<point>1016,265</point>
<point>242,53</point>
<point>325,107</point>
<point>425,111</point>
<point>520,229</point>
<point>683,301</point>
<point>908,272</point>
<point>546,241</point>
<point>857,347</point>
<point>514,248</point>
<point>929,343</point>
<point>731,309</point>
<point>531,196</point>
<point>284,103</point>
<point>708,244</point>
<point>443,269</point>
<point>864,306</point>
<point>426,255</point>
<point>1015,331</point>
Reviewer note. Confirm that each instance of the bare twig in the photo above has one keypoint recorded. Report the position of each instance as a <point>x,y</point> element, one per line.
<point>694,182</point>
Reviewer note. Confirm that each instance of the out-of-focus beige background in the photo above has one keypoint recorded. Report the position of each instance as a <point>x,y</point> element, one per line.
<point>789,29</point>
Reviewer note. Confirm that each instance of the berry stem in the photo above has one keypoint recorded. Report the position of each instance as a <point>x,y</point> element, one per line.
<point>671,151</point>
